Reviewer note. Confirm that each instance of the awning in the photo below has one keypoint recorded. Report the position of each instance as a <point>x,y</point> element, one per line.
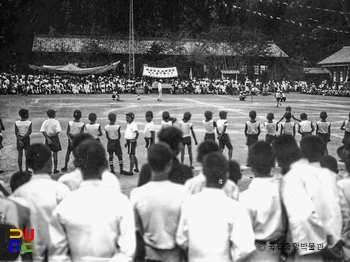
<point>75,70</point>
<point>156,72</point>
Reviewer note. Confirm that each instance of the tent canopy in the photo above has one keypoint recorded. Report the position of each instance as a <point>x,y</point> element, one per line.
<point>75,70</point>
<point>156,72</point>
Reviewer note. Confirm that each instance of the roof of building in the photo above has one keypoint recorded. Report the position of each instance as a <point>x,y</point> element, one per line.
<point>77,44</point>
<point>339,58</point>
<point>315,71</point>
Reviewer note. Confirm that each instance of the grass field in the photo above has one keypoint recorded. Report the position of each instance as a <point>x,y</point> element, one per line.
<point>102,104</point>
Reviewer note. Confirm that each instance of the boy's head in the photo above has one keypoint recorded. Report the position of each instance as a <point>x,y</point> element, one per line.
<point>303,116</point>
<point>39,158</point>
<point>312,148</point>
<point>112,117</point>
<point>205,148</point>
<point>79,139</point>
<point>165,115</point>
<point>329,162</point>
<point>270,116</point>
<point>286,151</point>
<point>130,117</point>
<point>160,158</point>
<point>18,179</point>
<point>287,115</point>
<point>343,153</point>
<point>149,116</point>
<point>234,171</point>
<point>172,136</point>
<point>215,168</point>
<point>223,114</point>
<point>208,115</point>
<point>90,157</point>
<point>261,158</point>
<point>288,109</point>
<point>77,114</point>
<point>187,116</point>
<point>252,114</point>
<point>92,117</point>
<point>51,113</point>
<point>323,115</point>
<point>23,113</point>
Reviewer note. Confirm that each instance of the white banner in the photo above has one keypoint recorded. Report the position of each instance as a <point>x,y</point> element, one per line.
<point>168,72</point>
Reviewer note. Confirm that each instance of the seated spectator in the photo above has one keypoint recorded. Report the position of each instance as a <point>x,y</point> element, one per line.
<point>108,231</point>
<point>18,179</point>
<point>329,162</point>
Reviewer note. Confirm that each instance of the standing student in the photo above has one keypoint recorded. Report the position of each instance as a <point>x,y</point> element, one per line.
<point>209,126</point>
<point>113,144</point>
<point>271,129</point>
<point>167,120</point>
<point>93,128</point>
<point>224,138</point>
<point>23,129</point>
<point>50,129</point>
<point>160,90</point>
<point>2,128</point>
<point>288,127</point>
<point>187,128</point>
<point>131,135</point>
<point>74,128</point>
<point>305,126</point>
<point>289,109</point>
<point>150,129</point>
<point>346,127</point>
<point>252,129</point>
<point>323,129</point>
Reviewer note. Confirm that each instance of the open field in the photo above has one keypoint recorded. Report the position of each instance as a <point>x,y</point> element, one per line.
<point>102,104</point>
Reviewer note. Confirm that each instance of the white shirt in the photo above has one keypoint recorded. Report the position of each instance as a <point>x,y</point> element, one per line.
<point>159,87</point>
<point>305,126</point>
<point>50,126</point>
<point>252,127</point>
<point>42,195</point>
<point>214,228</point>
<point>157,207</point>
<point>23,127</point>
<point>287,128</point>
<point>311,198</point>
<point>92,129</point>
<point>75,127</point>
<point>221,123</point>
<point>165,123</point>
<point>186,128</point>
<point>323,127</point>
<point>263,201</point>
<point>73,179</point>
<point>130,131</point>
<point>270,128</point>
<point>208,126</point>
<point>347,125</point>
<point>149,127</point>
<point>112,131</point>
<point>93,223</point>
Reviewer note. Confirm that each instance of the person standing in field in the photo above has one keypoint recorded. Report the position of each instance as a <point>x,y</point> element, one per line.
<point>23,129</point>
<point>160,90</point>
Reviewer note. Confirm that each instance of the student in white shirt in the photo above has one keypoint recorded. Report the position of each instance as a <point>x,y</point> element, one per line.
<point>23,129</point>
<point>150,130</point>
<point>167,120</point>
<point>305,126</point>
<point>224,138</point>
<point>212,226</point>
<point>93,216</point>
<point>157,207</point>
<point>209,125</point>
<point>263,202</point>
<point>93,128</point>
<point>271,128</point>
<point>131,135</point>
<point>187,129</point>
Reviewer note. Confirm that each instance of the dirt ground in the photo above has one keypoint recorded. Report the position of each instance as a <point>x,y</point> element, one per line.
<point>102,104</point>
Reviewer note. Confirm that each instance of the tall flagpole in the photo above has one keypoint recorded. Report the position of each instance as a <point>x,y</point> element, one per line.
<point>131,41</point>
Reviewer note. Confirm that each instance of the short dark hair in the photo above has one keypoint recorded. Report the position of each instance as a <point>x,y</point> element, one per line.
<point>323,115</point>
<point>165,115</point>
<point>171,135</point>
<point>329,162</point>
<point>149,113</point>
<point>77,114</point>
<point>37,156</point>
<point>288,115</point>
<point>312,148</point>
<point>252,114</point>
<point>261,157</point>
<point>112,117</point>
<point>234,171</point>
<point>92,117</point>
<point>286,151</point>
<point>79,139</point>
<point>205,148</point>
<point>215,168</point>
<point>90,157</point>
<point>303,116</point>
<point>18,179</point>
<point>24,113</point>
<point>159,156</point>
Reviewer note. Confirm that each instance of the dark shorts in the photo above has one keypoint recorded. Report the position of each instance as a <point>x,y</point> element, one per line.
<point>186,140</point>
<point>131,147</point>
<point>26,144</point>
<point>270,139</point>
<point>251,139</point>
<point>208,136</point>
<point>346,139</point>
<point>149,141</point>
<point>278,99</point>
<point>56,145</point>
<point>283,99</point>
<point>113,146</point>
<point>324,137</point>
<point>225,141</point>
<point>1,146</point>
<point>305,134</point>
